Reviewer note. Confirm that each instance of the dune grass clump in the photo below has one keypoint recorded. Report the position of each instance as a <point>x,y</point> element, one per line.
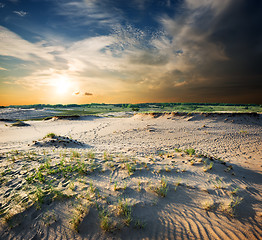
<point>208,166</point>
<point>90,155</point>
<point>190,151</point>
<point>76,154</point>
<point>50,135</point>
<point>178,150</point>
<point>235,191</point>
<point>130,168</point>
<point>80,212</point>
<point>123,209</point>
<point>49,218</point>
<point>39,197</point>
<point>106,222</point>
<point>230,207</point>
<point>218,184</point>
<point>208,205</point>
<point>37,176</point>
<point>161,189</point>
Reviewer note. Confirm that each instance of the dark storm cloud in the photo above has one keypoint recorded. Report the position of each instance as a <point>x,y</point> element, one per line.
<point>223,47</point>
<point>239,30</point>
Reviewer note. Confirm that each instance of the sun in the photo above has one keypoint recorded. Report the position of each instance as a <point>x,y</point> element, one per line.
<point>62,84</point>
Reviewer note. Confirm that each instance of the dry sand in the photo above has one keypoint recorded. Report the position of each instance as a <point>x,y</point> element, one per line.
<point>129,178</point>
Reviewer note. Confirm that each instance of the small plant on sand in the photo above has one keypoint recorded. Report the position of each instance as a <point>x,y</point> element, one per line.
<point>40,177</point>
<point>230,207</point>
<point>39,197</point>
<point>47,164</point>
<point>177,183</point>
<point>123,209</point>
<point>19,124</point>
<point>145,165</point>
<point>105,156</point>
<point>76,154</point>
<point>208,166</point>
<point>49,218</point>
<point>80,212</point>
<point>161,189</point>
<point>236,201</point>
<point>29,179</point>
<point>190,151</point>
<point>234,191</point>
<point>105,220</point>
<point>82,168</point>
<point>208,205</point>
<point>71,186</point>
<point>218,183</point>
<point>130,168</point>
<point>178,150</point>
<point>50,135</point>
<point>139,186</point>
<point>92,187</point>
<point>229,168</point>
<point>115,186</point>
<point>139,224</point>
<point>90,155</point>
<point>105,223</point>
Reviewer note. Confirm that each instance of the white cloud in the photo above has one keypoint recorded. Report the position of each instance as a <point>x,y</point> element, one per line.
<point>114,62</point>
<point>21,13</point>
<point>87,12</point>
<point>2,5</point>
<point>216,6</point>
<point>15,46</point>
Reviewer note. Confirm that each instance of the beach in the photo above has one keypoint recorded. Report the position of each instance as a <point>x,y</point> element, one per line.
<point>132,176</point>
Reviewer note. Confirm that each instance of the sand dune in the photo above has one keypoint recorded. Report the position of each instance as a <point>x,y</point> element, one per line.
<point>165,176</point>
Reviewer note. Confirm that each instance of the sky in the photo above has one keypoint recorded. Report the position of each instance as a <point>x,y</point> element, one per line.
<point>116,51</point>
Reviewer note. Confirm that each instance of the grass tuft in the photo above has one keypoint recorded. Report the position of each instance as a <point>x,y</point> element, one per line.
<point>190,151</point>
<point>161,189</point>
<point>50,135</point>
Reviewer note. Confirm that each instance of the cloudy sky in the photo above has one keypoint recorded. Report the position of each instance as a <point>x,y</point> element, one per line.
<point>116,51</point>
